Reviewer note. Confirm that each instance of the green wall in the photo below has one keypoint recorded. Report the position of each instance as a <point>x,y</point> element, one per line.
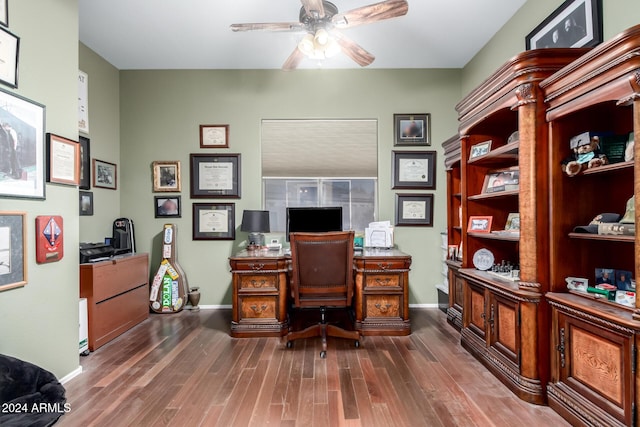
<point>161,112</point>
<point>40,320</point>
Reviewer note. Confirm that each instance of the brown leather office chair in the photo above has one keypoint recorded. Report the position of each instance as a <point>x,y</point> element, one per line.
<point>322,276</point>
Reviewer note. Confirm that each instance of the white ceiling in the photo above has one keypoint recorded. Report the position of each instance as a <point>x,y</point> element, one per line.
<point>195,34</point>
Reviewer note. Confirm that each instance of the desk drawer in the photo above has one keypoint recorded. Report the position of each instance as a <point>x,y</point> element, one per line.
<point>376,265</point>
<point>255,265</point>
<point>383,306</point>
<point>259,281</point>
<point>258,307</point>
<point>384,281</point>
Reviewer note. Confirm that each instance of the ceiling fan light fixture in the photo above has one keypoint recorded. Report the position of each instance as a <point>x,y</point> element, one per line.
<point>307,45</point>
<point>321,38</point>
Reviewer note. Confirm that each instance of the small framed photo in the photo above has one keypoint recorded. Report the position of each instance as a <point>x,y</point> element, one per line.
<point>105,174</point>
<point>513,222</point>
<point>479,224</point>
<point>4,12</point>
<point>502,180</point>
<point>13,250</point>
<point>214,221</point>
<point>624,280</point>
<point>480,149</point>
<point>414,170</point>
<point>63,160</point>
<point>85,203</point>
<point>215,175</point>
<point>411,129</point>
<point>577,284</point>
<point>168,206</point>
<point>605,276</point>
<point>576,23</point>
<point>214,136</point>
<point>9,53</point>
<point>414,210</point>
<point>452,252</point>
<point>85,163</point>
<point>166,176</point>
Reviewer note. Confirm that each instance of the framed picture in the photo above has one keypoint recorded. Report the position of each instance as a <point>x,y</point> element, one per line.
<point>411,129</point>
<point>83,102</point>
<point>63,160</point>
<point>166,176</point>
<point>577,283</point>
<point>576,23</point>
<point>480,149</point>
<point>105,174</point>
<point>513,222</point>
<point>9,53</point>
<point>85,165</point>
<point>605,276</point>
<point>214,136</point>
<point>414,170</point>
<point>501,180</point>
<point>85,203</point>
<point>167,206</point>
<point>214,221</point>
<point>479,224</point>
<point>414,210</point>
<point>4,12</point>
<point>22,144</point>
<point>215,175</point>
<point>13,250</point>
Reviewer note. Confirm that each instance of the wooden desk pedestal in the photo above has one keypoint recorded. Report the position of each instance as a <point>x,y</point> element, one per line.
<point>260,291</point>
<point>117,294</point>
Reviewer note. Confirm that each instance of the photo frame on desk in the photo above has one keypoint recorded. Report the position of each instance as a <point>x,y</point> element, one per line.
<point>575,23</point>
<point>414,170</point>
<point>63,160</point>
<point>13,250</point>
<point>215,176</point>
<point>214,221</point>
<point>414,210</point>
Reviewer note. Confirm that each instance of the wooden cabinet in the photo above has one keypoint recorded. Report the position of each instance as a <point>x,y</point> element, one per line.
<point>117,294</point>
<point>382,292</point>
<point>593,374</point>
<point>503,134</point>
<point>259,294</point>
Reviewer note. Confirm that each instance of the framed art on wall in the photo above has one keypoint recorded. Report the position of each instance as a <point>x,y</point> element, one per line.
<point>576,23</point>
<point>414,170</point>
<point>4,12</point>
<point>411,129</point>
<point>214,221</point>
<point>13,250</point>
<point>83,102</point>
<point>414,209</point>
<point>167,206</point>
<point>85,203</point>
<point>63,160</point>
<point>105,174</point>
<point>166,176</point>
<point>214,136</point>
<point>215,175</point>
<point>22,164</point>
<point>9,54</point>
<point>85,163</point>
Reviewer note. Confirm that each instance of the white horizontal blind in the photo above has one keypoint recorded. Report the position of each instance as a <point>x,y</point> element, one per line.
<point>320,148</point>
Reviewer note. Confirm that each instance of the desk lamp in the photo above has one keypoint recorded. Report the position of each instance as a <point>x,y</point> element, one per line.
<point>256,223</point>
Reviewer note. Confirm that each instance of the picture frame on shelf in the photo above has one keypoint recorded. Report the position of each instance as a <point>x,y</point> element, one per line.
<point>166,176</point>
<point>605,276</point>
<point>412,129</point>
<point>85,201</point>
<point>9,56</point>
<point>214,221</point>
<point>414,210</point>
<point>214,136</point>
<point>501,180</point>
<point>13,250</point>
<point>513,222</point>
<point>105,174</point>
<point>63,160</point>
<point>575,23</point>
<point>577,283</point>
<point>414,170</point>
<point>85,163</point>
<point>215,176</point>
<point>22,175</point>
<point>480,149</point>
<point>167,206</point>
<point>479,224</point>
<point>4,12</point>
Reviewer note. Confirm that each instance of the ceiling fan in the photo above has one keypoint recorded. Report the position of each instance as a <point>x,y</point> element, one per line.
<point>321,22</point>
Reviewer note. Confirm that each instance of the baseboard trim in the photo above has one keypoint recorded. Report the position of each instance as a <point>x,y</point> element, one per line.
<point>225,306</point>
<point>71,375</point>
<point>423,305</point>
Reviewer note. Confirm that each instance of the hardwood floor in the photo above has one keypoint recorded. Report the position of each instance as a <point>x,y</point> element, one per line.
<point>185,370</point>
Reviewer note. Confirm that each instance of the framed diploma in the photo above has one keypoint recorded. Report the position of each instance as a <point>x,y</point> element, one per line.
<point>9,51</point>
<point>63,160</point>
<point>414,210</point>
<point>414,170</point>
<point>214,136</point>
<point>215,175</point>
<point>214,221</point>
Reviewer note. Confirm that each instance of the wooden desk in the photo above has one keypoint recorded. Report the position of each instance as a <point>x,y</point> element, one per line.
<point>260,293</point>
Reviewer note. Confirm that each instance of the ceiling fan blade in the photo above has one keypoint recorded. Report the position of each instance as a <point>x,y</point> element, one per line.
<point>293,60</point>
<point>371,13</point>
<point>269,26</point>
<point>314,8</point>
<point>353,50</point>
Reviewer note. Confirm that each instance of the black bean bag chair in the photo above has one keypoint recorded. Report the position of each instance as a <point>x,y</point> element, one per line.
<point>29,395</point>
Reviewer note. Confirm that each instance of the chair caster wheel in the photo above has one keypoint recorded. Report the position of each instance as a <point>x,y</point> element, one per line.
<point>357,344</point>
<point>289,344</point>
<point>323,354</point>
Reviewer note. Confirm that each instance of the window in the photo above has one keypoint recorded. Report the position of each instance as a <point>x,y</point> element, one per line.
<point>320,163</point>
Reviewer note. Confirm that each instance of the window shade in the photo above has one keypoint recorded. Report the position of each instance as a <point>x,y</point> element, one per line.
<point>319,148</point>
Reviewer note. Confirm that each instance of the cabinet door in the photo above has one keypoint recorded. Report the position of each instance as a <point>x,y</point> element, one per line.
<point>504,332</point>
<point>477,316</point>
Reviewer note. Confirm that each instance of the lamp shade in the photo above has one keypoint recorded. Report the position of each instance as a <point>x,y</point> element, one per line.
<point>255,221</point>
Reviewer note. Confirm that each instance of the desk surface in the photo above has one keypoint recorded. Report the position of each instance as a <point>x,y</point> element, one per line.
<point>366,253</point>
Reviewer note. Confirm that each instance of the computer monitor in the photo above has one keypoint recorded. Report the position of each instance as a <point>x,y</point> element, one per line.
<point>314,219</point>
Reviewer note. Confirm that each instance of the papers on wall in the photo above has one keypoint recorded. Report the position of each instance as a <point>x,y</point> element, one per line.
<point>378,235</point>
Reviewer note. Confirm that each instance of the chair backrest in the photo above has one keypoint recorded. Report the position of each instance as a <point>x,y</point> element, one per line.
<point>322,269</point>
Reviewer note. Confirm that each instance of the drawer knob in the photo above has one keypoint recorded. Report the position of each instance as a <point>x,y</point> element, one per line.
<point>256,267</point>
<point>259,310</point>
<point>258,283</point>
<point>384,265</point>
<point>383,282</point>
<point>383,308</point>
